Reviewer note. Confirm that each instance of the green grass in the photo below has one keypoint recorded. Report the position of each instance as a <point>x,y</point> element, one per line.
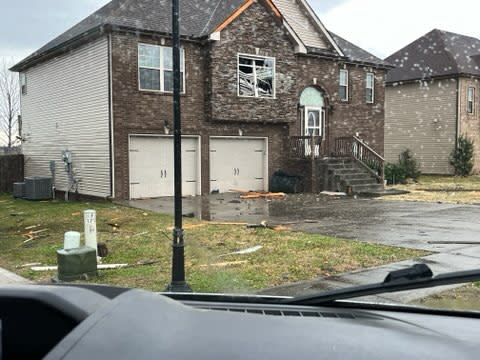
<point>448,189</point>
<point>141,236</point>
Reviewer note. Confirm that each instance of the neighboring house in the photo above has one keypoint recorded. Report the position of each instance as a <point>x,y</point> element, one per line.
<point>256,74</point>
<point>432,97</point>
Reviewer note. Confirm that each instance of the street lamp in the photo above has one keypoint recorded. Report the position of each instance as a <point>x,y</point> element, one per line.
<point>178,283</point>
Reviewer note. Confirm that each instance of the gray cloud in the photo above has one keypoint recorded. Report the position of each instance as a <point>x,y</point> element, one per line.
<point>26,25</point>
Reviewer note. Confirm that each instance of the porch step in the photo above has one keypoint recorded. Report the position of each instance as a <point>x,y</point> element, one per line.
<point>344,172</point>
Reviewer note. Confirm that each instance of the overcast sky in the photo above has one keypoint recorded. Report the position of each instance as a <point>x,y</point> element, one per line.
<point>380,26</point>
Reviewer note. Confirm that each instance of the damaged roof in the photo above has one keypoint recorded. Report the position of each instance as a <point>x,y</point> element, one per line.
<point>436,54</point>
<point>199,18</point>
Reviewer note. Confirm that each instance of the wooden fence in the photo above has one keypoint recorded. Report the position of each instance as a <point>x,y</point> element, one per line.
<point>11,171</point>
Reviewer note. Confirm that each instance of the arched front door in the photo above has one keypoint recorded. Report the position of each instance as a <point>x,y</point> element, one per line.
<point>312,105</point>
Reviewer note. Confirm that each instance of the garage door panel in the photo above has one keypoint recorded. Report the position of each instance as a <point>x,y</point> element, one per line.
<point>237,163</point>
<point>152,166</point>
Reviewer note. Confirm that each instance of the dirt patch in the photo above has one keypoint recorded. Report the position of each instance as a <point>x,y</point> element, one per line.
<point>464,298</point>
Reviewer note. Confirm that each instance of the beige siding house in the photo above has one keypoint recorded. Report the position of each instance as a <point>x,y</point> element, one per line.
<point>65,107</point>
<point>428,102</point>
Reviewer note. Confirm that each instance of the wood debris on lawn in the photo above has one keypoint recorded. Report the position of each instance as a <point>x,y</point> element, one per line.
<point>265,225</point>
<point>245,251</point>
<point>28,265</point>
<point>34,235</point>
<point>225,264</point>
<point>262,195</point>
<point>100,266</point>
<point>332,193</point>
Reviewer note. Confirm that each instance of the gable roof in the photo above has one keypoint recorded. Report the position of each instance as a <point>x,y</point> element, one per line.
<point>357,54</point>
<point>202,18</point>
<point>436,54</point>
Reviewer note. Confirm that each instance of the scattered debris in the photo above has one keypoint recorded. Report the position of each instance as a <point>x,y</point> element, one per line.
<point>100,266</point>
<point>140,234</point>
<point>17,214</point>
<point>113,224</point>
<point>332,193</point>
<point>102,249</point>
<point>245,252</point>
<point>31,227</point>
<point>262,195</point>
<point>33,235</point>
<point>265,225</point>
<point>189,215</point>
<point>76,214</point>
<point>225,264</point>
<point>235,202</point>
<point>28,265</point>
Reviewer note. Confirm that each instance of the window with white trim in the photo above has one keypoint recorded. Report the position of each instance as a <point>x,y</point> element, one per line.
<point>155,68</point>
<point>256,76</point>
<point>370,88</point>
<point>471,100</point>
<point>343,89</point>
<point>23,83</point>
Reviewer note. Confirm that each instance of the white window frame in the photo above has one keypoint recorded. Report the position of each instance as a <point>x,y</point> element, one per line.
<point>23,83</point>
<point>345,71</point>
<point>257,57</point>
<point>161,68</point>
<point>372,76</point>
<point>471,99</point>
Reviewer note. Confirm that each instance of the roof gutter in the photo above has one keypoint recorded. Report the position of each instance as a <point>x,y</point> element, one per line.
<point>86,37</point>
<point>430,78</point>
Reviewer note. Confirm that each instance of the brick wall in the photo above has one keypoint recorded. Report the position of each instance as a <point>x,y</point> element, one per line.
<point>211,106</point>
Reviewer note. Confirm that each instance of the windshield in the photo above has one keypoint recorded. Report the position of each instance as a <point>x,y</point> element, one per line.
<point>259,147</point>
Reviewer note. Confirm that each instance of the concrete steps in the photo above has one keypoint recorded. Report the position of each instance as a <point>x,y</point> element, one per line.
<point>345,172</point>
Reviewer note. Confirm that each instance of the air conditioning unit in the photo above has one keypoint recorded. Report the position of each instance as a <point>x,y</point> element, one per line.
<point>38,188</point>
<point>19,190</point>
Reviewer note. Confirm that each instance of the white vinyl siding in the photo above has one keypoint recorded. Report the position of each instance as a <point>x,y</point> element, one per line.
<point>67,107</point>
<point>301,23</point>
<point>422,119</point>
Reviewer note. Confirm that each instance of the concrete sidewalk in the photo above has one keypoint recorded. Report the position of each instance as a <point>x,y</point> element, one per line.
<point>9,278</point>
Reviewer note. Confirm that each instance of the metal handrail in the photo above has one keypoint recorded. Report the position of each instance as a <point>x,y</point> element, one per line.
<point>357,149</point>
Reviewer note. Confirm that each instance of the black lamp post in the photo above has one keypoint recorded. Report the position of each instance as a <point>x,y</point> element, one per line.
<point>178,283</point>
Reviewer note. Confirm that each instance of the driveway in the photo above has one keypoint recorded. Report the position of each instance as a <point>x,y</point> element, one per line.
<point>408,224</point>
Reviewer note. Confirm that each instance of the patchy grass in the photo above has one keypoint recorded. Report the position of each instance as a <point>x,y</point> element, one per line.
<point>464,298</point>
<point>140,236</point>
<point>445,189</point>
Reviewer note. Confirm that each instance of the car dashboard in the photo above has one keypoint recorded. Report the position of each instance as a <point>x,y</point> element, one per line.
<point>63,322</point>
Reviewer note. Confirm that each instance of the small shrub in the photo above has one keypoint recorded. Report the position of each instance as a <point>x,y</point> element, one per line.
<point>394,174</point>
<point>461,158</point>
<point>409,165</point>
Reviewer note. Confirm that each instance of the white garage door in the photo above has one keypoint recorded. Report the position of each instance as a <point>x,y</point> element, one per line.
<point>152,167</point>
<point>238,164</point>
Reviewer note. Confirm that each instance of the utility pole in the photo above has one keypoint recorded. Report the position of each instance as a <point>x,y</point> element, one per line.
<point>178,283</point>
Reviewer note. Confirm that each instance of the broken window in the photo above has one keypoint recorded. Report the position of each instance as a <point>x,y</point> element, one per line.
<point>343,90</point>
<point>256,76</point>
<point>155,65</point>
<point>471,100</point>
<point>370,88</point>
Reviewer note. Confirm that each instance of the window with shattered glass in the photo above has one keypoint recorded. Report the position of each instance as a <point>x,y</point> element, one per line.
<point>256,76</point>
<point>156,68</point>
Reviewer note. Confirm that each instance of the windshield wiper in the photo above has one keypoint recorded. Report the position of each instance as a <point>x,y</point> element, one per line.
<point>419,276</point>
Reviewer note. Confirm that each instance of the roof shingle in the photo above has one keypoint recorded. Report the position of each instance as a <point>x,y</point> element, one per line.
<point>436,54</point>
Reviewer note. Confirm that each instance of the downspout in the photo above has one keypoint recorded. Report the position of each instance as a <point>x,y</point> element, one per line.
<point>111,125</point>
<point>458,129</point>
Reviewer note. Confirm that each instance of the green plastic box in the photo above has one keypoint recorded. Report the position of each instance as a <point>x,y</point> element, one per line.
<point>77,264</point>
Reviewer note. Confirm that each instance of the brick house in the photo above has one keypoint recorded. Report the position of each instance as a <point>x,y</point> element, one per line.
<point>265,87</point>
<point>432,97</point>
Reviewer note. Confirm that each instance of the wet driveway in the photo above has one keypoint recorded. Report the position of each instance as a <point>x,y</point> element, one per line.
<point>409,224</point>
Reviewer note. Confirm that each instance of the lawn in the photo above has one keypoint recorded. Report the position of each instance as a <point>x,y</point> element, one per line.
<point>134,236</point>
<point>445,189</point>
<point>463,298</point>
